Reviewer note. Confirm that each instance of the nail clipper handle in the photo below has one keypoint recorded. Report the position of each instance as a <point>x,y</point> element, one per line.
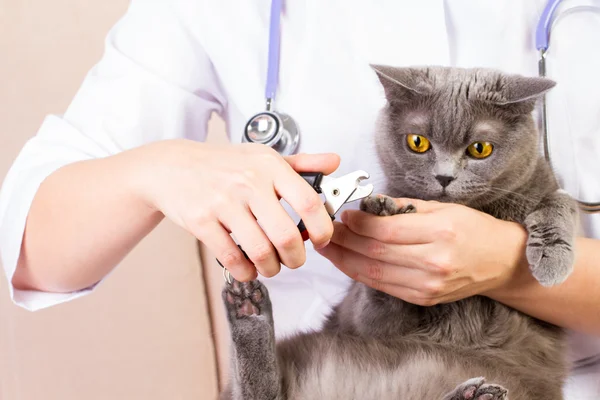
<point>314,179</point>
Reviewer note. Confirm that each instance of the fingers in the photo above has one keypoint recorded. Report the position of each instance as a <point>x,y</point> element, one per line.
<point>216,238</point>
<point>412,285</point>
<point>253,240</point>
<point>307,203</point>
<point>375,271</point>
<point>281,231</point>
<point>325,163</point>
<point>401,229</point>
<point>410,255</point>
<point>303,199</point>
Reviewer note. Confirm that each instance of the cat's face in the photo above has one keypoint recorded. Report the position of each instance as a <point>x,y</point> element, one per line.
<point>457,135</point>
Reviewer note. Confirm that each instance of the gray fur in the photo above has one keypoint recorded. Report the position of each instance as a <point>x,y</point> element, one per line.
<point>375,346</point>
<point>252,333</point>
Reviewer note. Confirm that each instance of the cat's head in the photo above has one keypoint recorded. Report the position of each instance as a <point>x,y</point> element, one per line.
<point>457,135</point>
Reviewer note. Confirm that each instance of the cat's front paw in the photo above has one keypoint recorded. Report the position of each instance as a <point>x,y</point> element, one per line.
<point>246,299</point>
<point>477,389</point>
<point>549,253</point>
<point>384,205</point>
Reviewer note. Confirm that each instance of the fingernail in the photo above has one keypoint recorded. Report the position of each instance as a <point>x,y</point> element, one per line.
<point>322,246</point>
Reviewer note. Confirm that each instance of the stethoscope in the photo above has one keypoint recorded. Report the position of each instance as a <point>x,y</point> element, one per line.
<point>280,131</point>
<point>542,39</point>
<point>271,128</point>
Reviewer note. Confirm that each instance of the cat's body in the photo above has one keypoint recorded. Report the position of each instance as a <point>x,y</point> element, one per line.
<point>375,346</point>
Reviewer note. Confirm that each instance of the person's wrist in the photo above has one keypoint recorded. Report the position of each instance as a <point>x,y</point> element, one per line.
<point>511,259</point>
<point>143,171</point>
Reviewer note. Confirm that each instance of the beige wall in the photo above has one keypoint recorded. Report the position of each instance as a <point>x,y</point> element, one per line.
<point>145,333</point>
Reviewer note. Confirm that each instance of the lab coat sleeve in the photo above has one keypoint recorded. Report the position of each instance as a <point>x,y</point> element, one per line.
<point>153,82</point>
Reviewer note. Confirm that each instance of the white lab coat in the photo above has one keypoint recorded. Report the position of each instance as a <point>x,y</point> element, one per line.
<point>169,64</point>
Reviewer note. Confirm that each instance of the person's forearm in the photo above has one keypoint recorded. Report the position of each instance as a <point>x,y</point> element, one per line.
<point>574,304</point>
<point>83,221</point>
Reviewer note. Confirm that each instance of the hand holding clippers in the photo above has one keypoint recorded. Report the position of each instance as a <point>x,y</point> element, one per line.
<point>337,192</point>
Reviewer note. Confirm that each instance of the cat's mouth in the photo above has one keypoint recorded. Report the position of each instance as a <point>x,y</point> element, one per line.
<point>446,196</point>
<point>442,196</point>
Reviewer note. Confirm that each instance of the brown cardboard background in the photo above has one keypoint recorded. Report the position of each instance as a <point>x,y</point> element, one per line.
<point>145,334</point>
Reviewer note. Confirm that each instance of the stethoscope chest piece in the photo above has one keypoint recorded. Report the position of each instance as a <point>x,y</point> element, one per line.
<point>276,130</point>
<point>273,128</point>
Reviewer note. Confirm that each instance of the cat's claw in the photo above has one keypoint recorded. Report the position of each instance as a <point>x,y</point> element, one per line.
<point>384,205</point>
<point>477,389</point>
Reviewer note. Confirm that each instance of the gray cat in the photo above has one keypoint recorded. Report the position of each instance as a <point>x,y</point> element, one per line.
<point>452,135</point>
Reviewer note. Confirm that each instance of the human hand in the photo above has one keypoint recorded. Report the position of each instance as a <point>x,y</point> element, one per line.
<point>214,190</point>
<point>442,253</point>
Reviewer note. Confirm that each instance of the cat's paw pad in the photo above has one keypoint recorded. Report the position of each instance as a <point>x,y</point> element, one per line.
<point>491,392</point>
<point>467,390</point>
<point>550,255</point>
<point>245,299</point>
<point>384,205</point>
<point>477,389</point>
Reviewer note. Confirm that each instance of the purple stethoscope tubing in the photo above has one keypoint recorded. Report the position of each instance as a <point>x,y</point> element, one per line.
<point>274,46</point>
<point>542,31</point>
<point>542,42</point>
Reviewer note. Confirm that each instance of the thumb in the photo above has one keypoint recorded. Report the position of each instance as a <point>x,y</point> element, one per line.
<point>324,162</point>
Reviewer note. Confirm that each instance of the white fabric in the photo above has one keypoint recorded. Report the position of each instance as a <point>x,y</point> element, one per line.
<point>169,64</point>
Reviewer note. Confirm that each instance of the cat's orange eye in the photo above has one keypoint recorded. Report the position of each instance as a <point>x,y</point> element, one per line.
<point>480,149</point>
<point>418,143</point>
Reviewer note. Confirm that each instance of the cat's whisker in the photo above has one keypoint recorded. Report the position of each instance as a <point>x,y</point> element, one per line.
<point>495,189</point>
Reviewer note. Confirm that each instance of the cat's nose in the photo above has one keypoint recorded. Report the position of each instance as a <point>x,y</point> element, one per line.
<point>444,180</point>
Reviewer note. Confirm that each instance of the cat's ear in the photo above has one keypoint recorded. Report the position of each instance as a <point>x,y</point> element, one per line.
<point>403,83</point>
<point>523,90</point>
<point>521,93</point>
